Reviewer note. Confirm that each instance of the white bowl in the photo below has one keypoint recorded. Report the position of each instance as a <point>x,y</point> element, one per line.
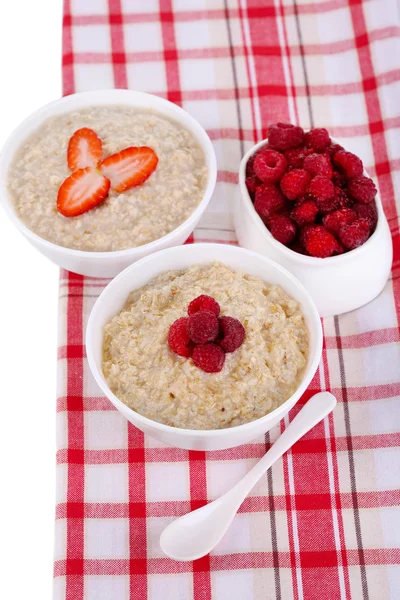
<point>114,296</point>
<point>105,264</point>
<point>337,284</point>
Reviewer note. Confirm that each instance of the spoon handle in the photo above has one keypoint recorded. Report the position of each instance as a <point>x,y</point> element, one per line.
<point>316,409</point>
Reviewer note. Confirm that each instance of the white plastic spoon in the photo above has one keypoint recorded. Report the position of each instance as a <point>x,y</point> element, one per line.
<point>194,535</point>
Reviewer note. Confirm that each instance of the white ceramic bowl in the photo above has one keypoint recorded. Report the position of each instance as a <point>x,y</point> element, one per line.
<point>105,264</point>
<point>114,296</point>
<point>337,284</point>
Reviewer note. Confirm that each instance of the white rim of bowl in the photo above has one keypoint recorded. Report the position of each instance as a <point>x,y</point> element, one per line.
<point>291,254</point>
<point>207,432</point>
<point>201,136</point>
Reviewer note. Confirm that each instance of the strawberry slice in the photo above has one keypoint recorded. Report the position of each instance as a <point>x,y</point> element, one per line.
<point>130,167</point>
<point>81,191</point>
<point>84,149</point>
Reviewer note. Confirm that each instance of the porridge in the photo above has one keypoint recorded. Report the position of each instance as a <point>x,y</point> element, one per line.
<point>124,220</point>
<point>143,372</point>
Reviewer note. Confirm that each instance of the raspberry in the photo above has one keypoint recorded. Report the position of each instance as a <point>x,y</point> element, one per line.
<point>338,219</point>
<point>269,165</point>
<point>304,233</point>
<point>178,338</point>
<point>306,212</point>
<point>231,334</point>
<point>327,206</point>
<point>251,183</point>
<point>344,200</point>
<point>269,200</point>
<point>318,139</point>
<point>321,188</point>
<point>367,212</point>
<point>294,183</point>
<point>202,326</point>
<point>323,192</point>
<point>282,136</point>
<point>209,358</point>
<point>282,228</point>
<point>362,189</point>
<point>318,164</point>
<point>355,235</point>
<point>295,156</point>
<point>350,164</point>
<point>320,243</point>
<point>250,166</point>
<point>339,179</point>
<point>204,302</point>
<point>332,149</point>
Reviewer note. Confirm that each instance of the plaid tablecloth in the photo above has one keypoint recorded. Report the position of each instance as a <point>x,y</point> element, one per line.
<point>324,523</point>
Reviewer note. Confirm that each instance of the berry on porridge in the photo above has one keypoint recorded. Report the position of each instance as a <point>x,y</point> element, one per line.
<point>205,348</point>
<point>129,168</point>
<point>81,191</point>
<point>85,149</point>
<point>156,167</point>
<point>311,193</point>
<point>204,328</point>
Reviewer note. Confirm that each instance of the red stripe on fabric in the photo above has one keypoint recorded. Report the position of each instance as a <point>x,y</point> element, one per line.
<point>198,498</point>
<point>170,52</point>
<point>250,86</point>
<point>365,339</point>
<point>75,457</point>
<point>315,527</point>
<point>289,508</point>
<point>71,351</point>
<point>137,514</point>
<point>338,502</point>
<point>289,50</point>
<point>335,496</point>
<point>88,404</point>
<point>375,116</point>
<point>265,89</point>
<point>118,57</point>
<point>227,177</point>
<point>225,562</point>
<point>265,12</point>
<point>271,110</point>
<point>217,52</point>
<point>252,504</point>
<point>366,393</point>
<point>67,52</point>
<point>248,451</point>
<point>190,239</point>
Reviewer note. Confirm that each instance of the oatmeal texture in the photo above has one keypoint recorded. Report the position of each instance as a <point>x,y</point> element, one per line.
<point>133,218</point>
<point>147,376</point>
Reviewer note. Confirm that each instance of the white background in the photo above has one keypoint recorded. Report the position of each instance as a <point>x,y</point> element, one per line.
<point>30,75</point>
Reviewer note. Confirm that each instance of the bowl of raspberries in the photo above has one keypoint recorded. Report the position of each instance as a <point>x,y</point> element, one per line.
<point>309,204</point>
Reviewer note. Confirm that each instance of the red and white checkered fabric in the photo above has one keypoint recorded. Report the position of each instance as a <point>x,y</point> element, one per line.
<point>324,522</point>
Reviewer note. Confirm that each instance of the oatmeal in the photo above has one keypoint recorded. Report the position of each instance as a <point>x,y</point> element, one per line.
<point>124,220</point>
<point>144,373</point>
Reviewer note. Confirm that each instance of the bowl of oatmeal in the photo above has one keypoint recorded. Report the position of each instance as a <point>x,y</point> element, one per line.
<point>173,397</point>
<point>349,277</point>
<point>125,219</point>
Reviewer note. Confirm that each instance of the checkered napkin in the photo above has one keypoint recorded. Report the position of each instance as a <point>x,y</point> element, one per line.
<point>324,523</point>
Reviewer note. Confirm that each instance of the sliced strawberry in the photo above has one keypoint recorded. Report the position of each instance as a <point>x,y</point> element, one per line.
<point>130,167</point>
<point>81,191</point>
<point>84,149</point>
